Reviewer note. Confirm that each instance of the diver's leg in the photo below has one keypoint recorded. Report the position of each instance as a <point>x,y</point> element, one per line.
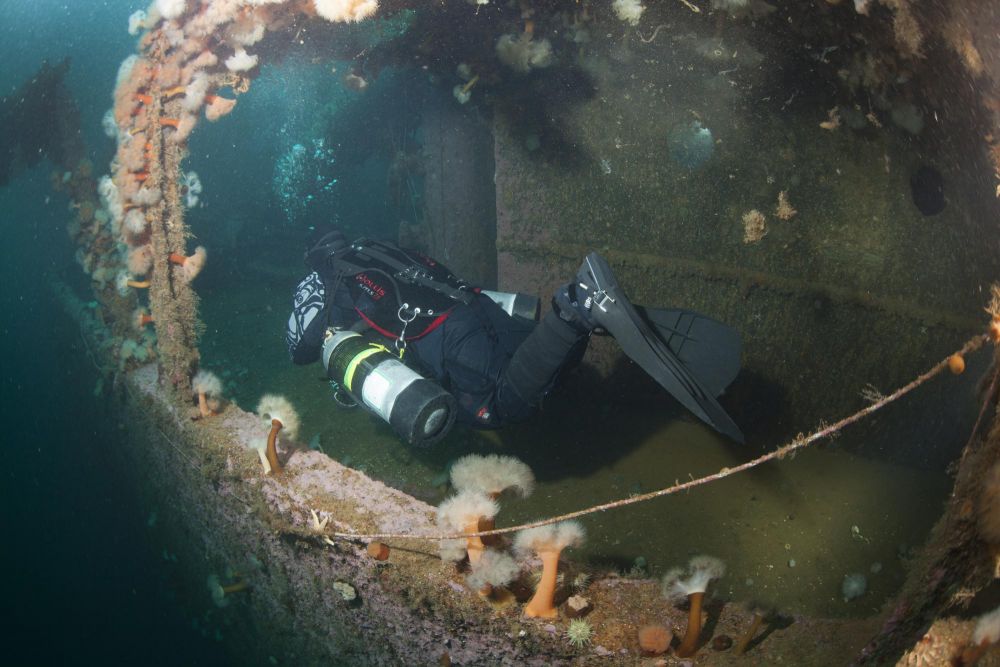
<point>553,347</point>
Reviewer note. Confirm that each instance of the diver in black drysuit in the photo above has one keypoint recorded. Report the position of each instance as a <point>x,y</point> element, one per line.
<point>497,365</point>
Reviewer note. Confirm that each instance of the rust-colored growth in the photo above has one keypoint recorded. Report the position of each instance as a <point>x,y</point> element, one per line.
<point>689,645</point>
<point>272,448</point>
<point>956,364</point>
<point>378,550</point>
<point>170,122</point>
<point>142,176</point>
<point>177,258</point>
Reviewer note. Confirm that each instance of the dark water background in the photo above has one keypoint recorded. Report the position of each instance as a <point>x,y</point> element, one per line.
<point>83,583</point>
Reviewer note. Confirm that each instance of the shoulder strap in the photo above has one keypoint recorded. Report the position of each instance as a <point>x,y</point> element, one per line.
<point>410,271</point>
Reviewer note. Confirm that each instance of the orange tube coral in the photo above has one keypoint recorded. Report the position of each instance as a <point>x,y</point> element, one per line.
<point>170,122</point>
<point>144,98</point>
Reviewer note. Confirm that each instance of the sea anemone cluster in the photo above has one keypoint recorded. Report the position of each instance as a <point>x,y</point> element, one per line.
<point>480,481</point>
<point>130,227</point>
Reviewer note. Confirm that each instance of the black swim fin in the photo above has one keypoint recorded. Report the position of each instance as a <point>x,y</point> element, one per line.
<point>710,349</point>
<point>610,308</point>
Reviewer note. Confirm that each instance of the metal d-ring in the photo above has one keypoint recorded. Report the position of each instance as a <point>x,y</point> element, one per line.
<point>401,341</point>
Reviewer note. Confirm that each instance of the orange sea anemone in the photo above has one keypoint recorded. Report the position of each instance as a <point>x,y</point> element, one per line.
<point>216,107</point>
<point>140,260</point>
<point>469,511</point>
<point>190,266</point>
<point>220,592</point>
<point>744,641</point>
<point>206,385</point>
<point>701,571</point>
<point>548,542</point>
<point>140,318</point>
<point>994,330</point>
<point>282,416</point>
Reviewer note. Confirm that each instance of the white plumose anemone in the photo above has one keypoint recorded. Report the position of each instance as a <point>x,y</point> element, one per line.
<point>493,569</point>
<point>701,570</point>
<point>463,513</point>
<point>492,475</point>
<point>272,406</point>
<point>206,382</point>
<point>345,10</point>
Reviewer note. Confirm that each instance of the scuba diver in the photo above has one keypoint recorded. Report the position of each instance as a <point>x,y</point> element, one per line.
<point>398,333</point>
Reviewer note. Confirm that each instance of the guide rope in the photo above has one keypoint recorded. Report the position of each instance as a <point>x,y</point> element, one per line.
<point>799,442</point>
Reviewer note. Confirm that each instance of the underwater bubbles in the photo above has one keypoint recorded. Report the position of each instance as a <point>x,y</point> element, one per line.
<point>691,144</point>
<point>301,176</point>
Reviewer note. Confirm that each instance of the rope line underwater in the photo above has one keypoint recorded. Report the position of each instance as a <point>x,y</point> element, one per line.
<point>799,442</point>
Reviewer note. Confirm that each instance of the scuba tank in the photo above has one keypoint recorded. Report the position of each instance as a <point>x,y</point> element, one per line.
<point>419,410</point>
